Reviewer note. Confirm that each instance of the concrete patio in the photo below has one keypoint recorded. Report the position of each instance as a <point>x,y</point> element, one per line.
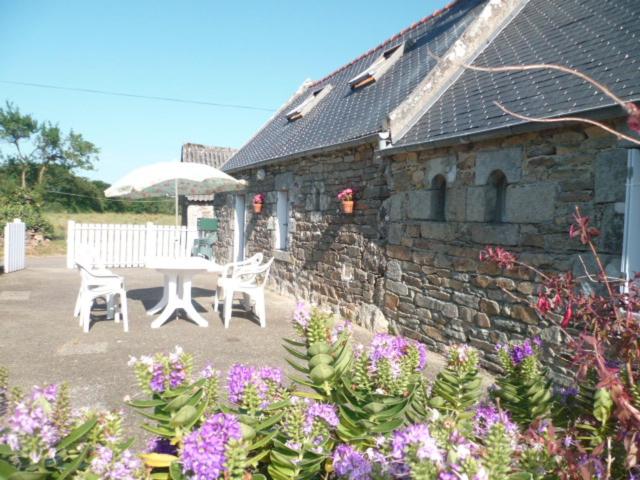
<point>42,342</point>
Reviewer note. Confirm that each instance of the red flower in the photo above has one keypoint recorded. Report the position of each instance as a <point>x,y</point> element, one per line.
<point>568,314</point>
<point>544,305</point>
<point>500,256</point>
<point>557,300</point>
<point>634,116</point>
<point>582,229</point>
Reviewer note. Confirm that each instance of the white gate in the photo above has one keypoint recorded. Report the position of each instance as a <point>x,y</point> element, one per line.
<point>127,245</point>
<point>14,246</point>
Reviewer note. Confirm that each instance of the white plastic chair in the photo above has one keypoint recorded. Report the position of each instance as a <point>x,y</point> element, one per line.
<point>91,260</point>
<point>249,280</point>
<point>100,283</point>
<point>227,273</point>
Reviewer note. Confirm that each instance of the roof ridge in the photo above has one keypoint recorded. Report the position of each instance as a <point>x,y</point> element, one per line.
<point>411,27</point>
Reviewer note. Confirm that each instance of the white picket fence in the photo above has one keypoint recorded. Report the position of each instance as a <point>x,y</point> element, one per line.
<point>127,245</point>
<point>14,246</point>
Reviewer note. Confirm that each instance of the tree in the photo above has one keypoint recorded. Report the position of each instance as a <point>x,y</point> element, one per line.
<point>18,129</point>
<point>71,152</point>
<point>49,146</point>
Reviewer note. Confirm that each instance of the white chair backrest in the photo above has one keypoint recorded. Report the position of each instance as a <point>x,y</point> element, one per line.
<point>85,269</point>
<point>230,268</point>
<point>90,257</point>
<point>255,275</point>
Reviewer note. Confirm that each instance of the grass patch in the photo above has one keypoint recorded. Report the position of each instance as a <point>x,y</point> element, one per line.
<point>59,220</point>
<point>58,244</point>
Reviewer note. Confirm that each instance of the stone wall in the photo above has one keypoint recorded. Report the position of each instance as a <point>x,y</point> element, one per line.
<point>332,259</point>
<point>395,260</point>
<point>435,287</point>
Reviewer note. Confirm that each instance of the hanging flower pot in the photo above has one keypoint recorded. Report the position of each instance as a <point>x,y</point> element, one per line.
<point>346,197</point>
<point>258,202</point>
<point>347,206</point>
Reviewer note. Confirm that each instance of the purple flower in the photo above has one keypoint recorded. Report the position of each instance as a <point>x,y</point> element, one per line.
<point>161,445</point>
<point>302,315</point>
<point>208,372</point>
<point>204,450</point>
<point>261,380</point>
<point>31,430</point>
<point>158,380</point>
<point>177,376</point>
<point>486,416</point>
<point>566,394</point>
<point>519,352</point>
<point>325,412</point>
<point>349,463</point>
<point>108,466</point>
<point>239,377</point>
<point>414,440</point>
<point>270,374</point>
<point>394,348</point>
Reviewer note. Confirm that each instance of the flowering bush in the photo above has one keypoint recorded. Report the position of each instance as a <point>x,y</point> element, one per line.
<point>206,450</point>
<point>389,366</point>
<point>41,437</point>
<point>258,198</point>
<point>254,389</point>
<point>162,372</point>
<point>346,195</point>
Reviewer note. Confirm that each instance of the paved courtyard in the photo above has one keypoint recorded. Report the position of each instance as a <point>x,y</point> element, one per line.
<point>41,342</point>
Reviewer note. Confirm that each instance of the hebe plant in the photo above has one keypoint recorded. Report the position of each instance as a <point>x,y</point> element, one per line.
<point>524,389</point>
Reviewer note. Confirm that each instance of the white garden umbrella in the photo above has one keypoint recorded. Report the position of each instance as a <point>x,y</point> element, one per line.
<point>174,179</point>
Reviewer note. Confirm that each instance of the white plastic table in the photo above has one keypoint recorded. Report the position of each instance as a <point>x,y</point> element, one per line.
<point>178,273</point>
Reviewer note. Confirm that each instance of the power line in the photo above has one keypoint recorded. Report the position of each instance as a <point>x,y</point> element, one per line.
<point>133,95</point>
<point>119,199</point>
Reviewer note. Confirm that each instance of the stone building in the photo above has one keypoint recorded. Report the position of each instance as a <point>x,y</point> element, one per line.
<point>440,171</point>
<point>196,206</point>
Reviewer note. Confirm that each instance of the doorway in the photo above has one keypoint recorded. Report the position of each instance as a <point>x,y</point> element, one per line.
<point>239,229</point>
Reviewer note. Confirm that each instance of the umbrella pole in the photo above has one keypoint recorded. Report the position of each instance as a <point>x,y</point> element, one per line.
<point>176,202</point>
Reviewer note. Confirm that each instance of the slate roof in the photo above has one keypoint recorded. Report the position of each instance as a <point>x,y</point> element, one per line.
<point>212,156</point>
<point>344,114</point>
<point>598,37</point>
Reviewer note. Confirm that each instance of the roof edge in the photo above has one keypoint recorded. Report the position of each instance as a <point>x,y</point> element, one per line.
<point>493,18</point>
<point>609,112</point>
<point>306,153</point>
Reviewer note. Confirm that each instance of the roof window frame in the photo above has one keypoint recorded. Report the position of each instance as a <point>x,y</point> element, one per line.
<point>308,103</point>
<point>379,67</point>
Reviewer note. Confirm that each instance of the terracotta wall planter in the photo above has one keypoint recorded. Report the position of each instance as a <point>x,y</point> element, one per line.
<point>347,206</point>
<point>257,207</point>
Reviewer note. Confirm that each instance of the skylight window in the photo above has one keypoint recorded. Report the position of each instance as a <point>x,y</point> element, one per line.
<point>378,68</point>
<point>308,103</point>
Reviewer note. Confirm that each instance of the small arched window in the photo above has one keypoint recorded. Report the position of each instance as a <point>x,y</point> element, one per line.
<point>496,196</point>
<point>438,198</point>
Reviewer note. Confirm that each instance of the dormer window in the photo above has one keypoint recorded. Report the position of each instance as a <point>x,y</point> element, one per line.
<point>308,103</point>
<point>378,68</point>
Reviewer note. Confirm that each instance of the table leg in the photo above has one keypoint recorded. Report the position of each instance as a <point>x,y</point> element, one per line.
<point>186,302</point>
<point>163,301</point>
<point>173,301</point>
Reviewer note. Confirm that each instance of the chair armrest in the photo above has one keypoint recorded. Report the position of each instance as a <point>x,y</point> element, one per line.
<point>103,274</point>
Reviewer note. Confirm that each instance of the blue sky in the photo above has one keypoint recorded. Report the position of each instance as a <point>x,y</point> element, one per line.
<point>250,53</point>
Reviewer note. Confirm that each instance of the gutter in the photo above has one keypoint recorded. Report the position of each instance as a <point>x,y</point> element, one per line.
<point>377,137</point>
<point>600,113</point>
